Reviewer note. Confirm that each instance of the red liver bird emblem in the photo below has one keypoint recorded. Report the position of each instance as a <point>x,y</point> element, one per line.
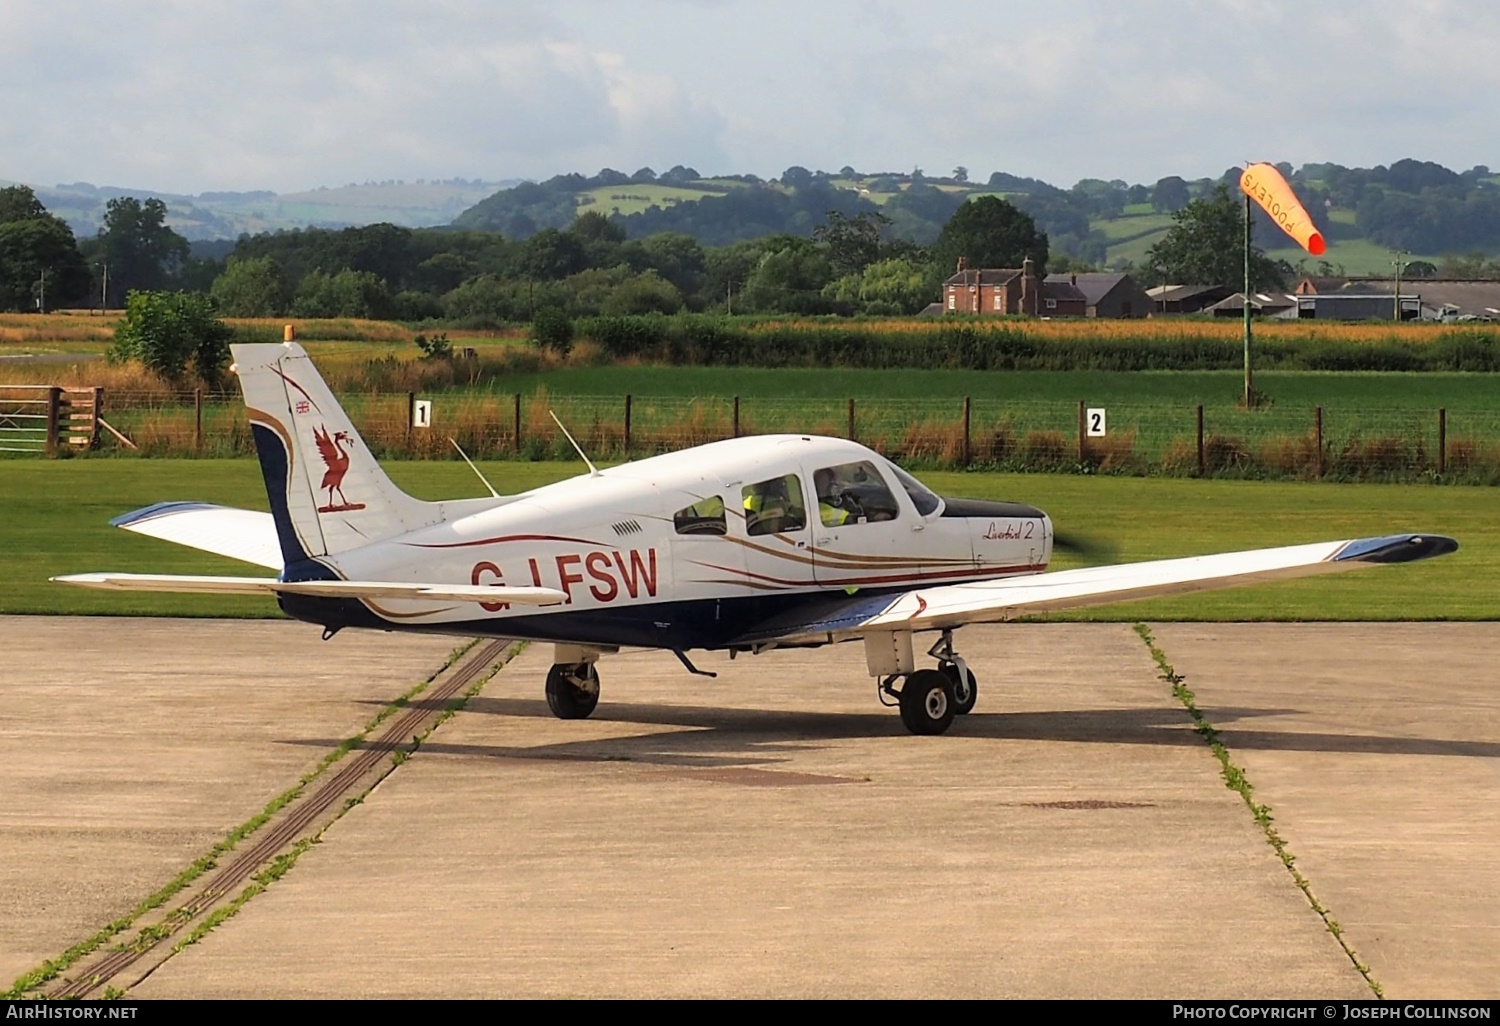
<point>332,451</point>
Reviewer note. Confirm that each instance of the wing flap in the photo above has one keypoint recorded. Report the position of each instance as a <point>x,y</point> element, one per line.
<point>241,534</point>
<point>318,589</point>
<point>953,605</point>
<point>521,595</point>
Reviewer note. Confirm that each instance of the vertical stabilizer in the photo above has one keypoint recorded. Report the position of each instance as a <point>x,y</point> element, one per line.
<point>327,492</point>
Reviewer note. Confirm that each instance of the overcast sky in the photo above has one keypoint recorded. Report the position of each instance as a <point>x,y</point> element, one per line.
<point>196,95</point>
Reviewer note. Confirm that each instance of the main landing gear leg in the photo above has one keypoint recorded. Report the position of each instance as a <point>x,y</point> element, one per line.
<point>952,665</point>
<point>573,684</point>
<point>926,698</point>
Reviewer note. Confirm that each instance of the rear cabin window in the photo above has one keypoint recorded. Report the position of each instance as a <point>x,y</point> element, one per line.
<point>853,493</point>
<point>775,506</point>
<point>706,516</point>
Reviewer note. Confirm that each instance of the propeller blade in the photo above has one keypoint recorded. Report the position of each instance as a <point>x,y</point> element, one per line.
<point>1085,549</point>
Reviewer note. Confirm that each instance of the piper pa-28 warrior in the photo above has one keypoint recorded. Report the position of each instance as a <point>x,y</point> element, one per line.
<point>744,546</point>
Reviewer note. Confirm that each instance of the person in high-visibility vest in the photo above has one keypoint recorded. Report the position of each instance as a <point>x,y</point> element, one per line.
<point>829,510</point>
<point>765,507</point>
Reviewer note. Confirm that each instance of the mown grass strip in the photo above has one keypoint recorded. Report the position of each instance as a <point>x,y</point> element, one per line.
<point>29,982</point>
<point>1235,780</point>
<point>57,522</point>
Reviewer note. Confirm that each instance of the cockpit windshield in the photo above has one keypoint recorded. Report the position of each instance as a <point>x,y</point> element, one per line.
<point>925,501</point>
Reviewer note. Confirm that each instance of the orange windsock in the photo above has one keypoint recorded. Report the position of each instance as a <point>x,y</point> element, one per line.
<point>1264,184</point>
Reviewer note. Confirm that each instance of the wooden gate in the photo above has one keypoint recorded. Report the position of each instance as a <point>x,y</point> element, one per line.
<point>49,418</point>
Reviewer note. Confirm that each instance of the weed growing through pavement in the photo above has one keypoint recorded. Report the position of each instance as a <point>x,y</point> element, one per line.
<point>30,982</point>
<point>1235,780</point>
<point>285,861</point>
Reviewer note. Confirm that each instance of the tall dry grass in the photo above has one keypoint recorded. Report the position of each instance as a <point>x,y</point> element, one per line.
<point>485,426</point>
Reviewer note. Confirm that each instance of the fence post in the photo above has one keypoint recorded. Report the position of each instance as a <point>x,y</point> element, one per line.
<point>198,419</point>
<point>517,440</point>
<point>851,420</point>
<point>1082,430</point>
<point>1442,440</point>
<point>54,404</point>
<point>736,416</point>
<point>967,411</point>
<point>627,423</point>
<point>1201,467</point>
<point>411,415</point>
<point>1319,432</point>
<point>94,420</point>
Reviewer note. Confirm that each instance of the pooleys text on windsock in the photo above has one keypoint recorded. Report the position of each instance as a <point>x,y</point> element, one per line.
<point>1264,184</point>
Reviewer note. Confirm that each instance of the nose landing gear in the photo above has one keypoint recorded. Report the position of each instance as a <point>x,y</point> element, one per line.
<point>950,663</point>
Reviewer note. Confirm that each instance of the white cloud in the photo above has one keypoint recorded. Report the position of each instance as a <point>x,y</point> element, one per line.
<point>213,95</point>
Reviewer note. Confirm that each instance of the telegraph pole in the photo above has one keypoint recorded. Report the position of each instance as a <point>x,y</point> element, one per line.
<point>41,299</point>
<point>1398,254</point>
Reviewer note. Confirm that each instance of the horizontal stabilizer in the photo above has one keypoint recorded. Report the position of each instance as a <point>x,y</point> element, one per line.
<point>319,589</point>
<point>241,534</point>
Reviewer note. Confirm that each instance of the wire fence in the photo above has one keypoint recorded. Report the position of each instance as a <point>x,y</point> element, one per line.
<point>1346,443</point>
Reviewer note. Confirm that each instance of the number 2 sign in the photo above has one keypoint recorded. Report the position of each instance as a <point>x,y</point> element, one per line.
<point>1094,419</point>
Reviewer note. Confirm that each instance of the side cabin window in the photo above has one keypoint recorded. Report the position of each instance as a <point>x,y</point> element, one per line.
<point>706,516</point>
<point>853,493</point>
<point>775,506</point>
<point>926,502</point>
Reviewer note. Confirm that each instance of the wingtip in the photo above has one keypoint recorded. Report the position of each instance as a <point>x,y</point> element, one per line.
<point>1397,548</point>
<point>157,509</point>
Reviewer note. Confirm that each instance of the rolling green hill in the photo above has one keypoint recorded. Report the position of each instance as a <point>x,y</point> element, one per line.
<point>227,215</point>
<point>1421,208</point>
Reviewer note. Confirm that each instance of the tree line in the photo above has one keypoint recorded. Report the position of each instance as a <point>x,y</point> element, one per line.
<point>844,264</point>
<point>848,261</point>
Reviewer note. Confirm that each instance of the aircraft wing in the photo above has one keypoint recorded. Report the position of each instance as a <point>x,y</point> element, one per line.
<point>953,605</point>
<point>241,534</point>
<point>319,589</point>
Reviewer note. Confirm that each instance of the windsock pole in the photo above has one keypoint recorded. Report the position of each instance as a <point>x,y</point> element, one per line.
<point>1249,390</point>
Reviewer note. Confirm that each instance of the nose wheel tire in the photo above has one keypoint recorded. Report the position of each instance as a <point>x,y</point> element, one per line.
<point>927,702</point>
<point>965,687</point>
<point>572,690</point>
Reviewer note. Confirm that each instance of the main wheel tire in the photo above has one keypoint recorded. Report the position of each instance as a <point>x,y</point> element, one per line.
<point>965,687</point>
<point>568,699</point>
<point>927,703</point>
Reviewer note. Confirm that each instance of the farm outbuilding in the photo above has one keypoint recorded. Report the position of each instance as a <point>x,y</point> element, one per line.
<point>1186,299</point>
<point>1107,294</point>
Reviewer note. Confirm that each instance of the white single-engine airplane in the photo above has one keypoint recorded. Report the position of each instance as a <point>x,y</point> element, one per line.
<point>742,546</point>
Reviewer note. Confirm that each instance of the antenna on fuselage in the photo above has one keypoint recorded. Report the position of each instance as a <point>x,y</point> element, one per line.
<point>472,467</point>
<point>593,470</point>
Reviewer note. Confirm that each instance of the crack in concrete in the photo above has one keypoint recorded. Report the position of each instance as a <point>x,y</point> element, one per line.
<point>1235,780</point>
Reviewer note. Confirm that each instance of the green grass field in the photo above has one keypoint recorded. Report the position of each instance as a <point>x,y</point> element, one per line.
<point>1133,250</point>
<point>1302,389</point>
<point>55,517</point>
<point>1121,229</point>
<point>635,197</point>
<point>1355,256</point>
